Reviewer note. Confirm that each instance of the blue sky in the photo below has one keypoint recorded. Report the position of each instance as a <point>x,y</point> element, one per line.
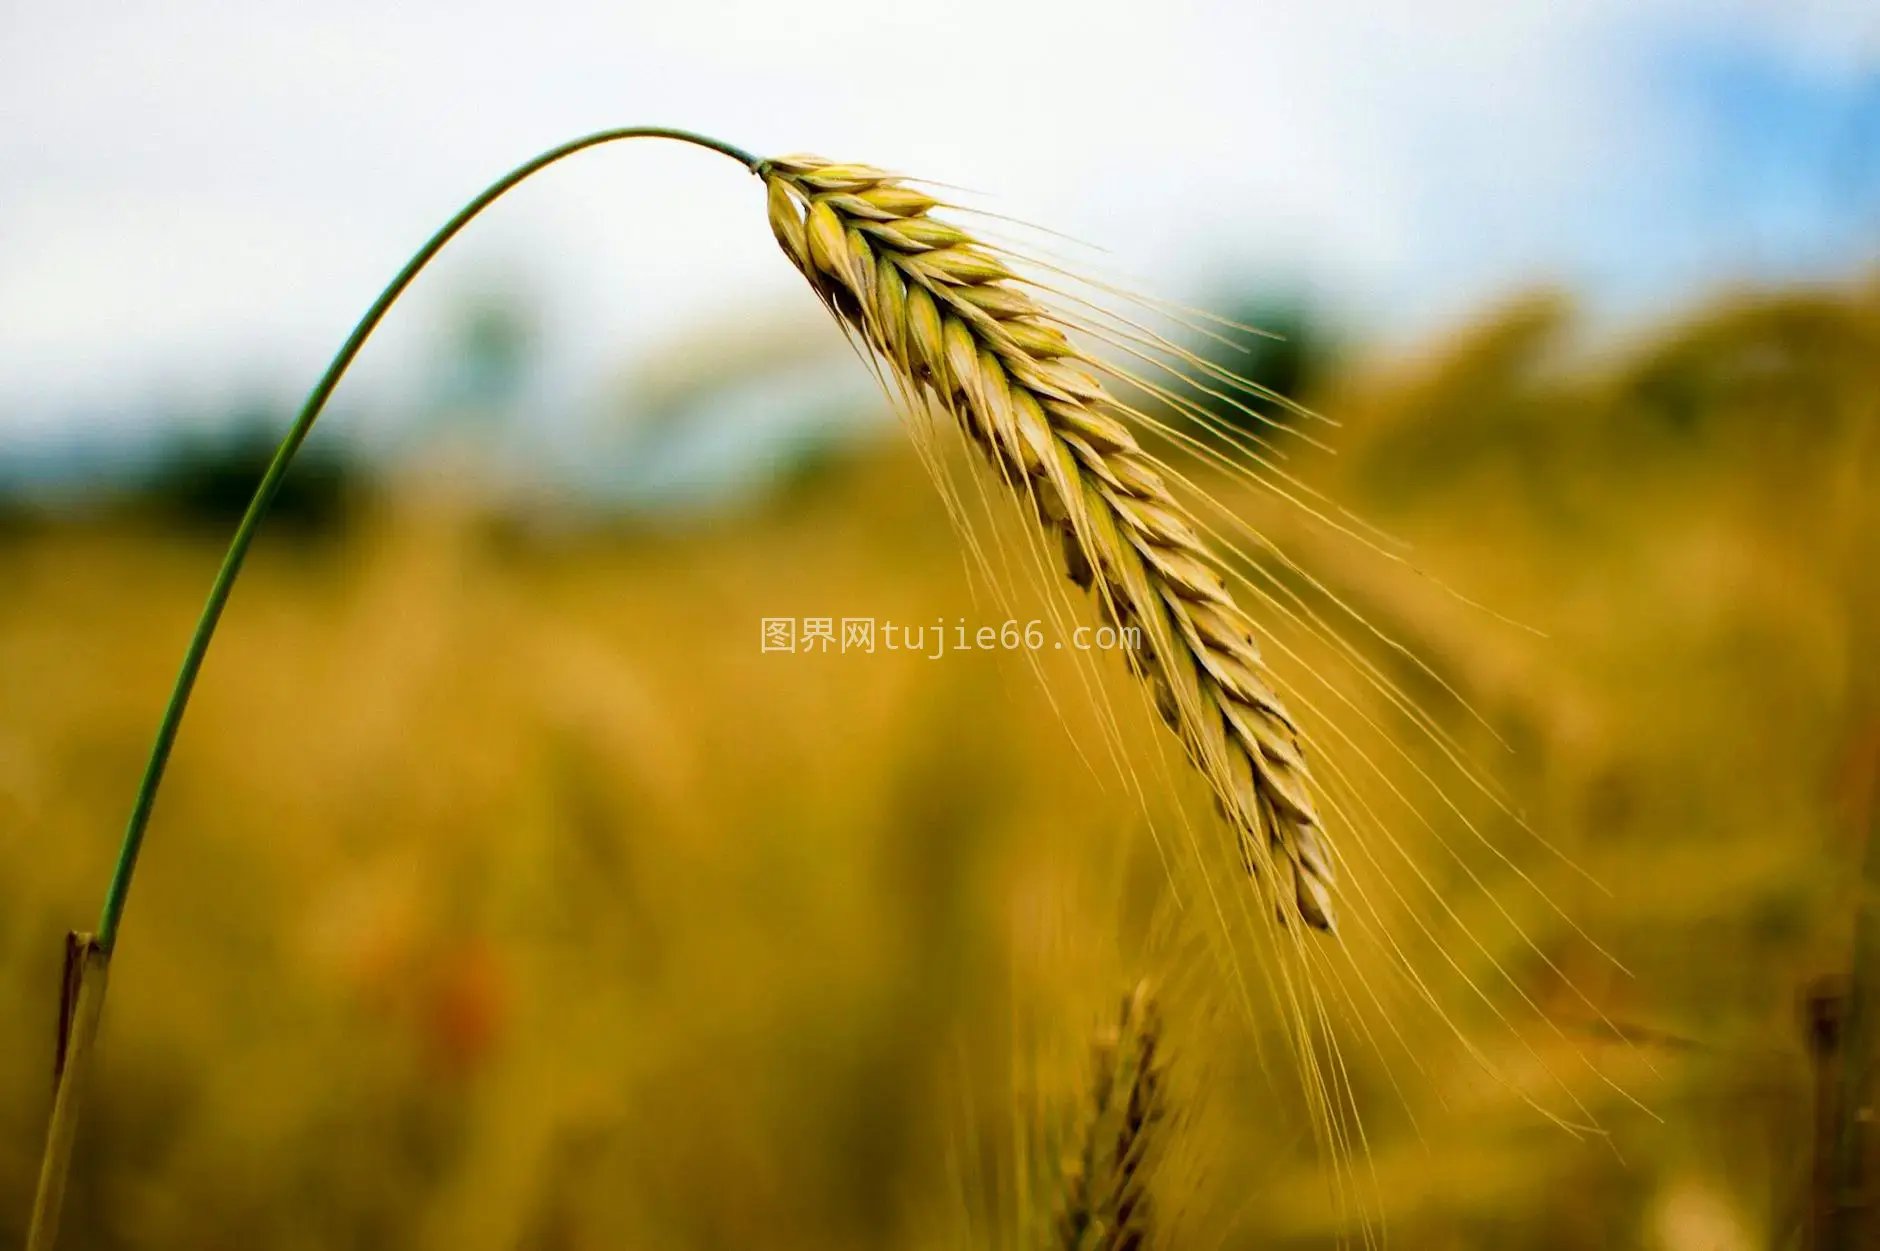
<point>1784,158</point>
<point>1726,154</point>
<point>196,199</point>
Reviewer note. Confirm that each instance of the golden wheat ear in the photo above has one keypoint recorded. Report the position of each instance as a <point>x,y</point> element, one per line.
<point>1105,1203</point>
<point>958,334</point>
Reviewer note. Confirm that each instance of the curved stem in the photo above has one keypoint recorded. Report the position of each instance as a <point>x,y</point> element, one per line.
<point>277,469</point>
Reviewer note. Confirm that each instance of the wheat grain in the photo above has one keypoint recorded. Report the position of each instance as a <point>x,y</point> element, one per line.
<point>962,335</point>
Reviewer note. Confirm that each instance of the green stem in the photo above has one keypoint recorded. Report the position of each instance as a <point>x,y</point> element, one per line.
<point>277,469</point>
<point>85,989</point>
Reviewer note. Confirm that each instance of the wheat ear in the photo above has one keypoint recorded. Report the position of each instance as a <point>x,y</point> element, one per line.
<point>1105,1204</point>
<point>962,335</point>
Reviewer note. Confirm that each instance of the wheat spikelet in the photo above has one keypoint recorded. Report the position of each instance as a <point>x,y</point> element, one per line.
<point>1105,1203</point>
<point>961,335</point>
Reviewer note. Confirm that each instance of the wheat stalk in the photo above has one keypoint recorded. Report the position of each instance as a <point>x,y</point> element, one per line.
<point>962,335</point>
<point>1106,1205</point>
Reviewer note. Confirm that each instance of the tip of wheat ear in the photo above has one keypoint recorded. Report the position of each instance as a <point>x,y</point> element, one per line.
<point>959,334</point>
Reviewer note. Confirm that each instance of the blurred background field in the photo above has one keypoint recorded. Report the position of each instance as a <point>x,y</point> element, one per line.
<point>504,893</point>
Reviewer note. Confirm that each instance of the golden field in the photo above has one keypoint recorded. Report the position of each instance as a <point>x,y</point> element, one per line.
<point>504,894</point>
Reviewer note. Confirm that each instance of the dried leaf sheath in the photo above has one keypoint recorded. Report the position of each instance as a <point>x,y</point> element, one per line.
<point>957,332</point>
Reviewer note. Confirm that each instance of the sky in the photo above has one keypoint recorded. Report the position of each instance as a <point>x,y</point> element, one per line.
<point>198,198</point>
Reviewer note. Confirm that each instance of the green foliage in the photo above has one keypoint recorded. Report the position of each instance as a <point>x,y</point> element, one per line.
<point>1289,353</point>
<point>203,482</point>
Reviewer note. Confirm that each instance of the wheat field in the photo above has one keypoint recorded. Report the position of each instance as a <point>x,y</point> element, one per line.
<point>505,893</point>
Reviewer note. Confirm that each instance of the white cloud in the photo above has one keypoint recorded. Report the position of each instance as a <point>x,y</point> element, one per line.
<point>190,187</point>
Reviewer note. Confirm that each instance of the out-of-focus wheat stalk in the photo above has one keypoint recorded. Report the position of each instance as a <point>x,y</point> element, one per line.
<point>963,337</point>
<point>1105,1204</point>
